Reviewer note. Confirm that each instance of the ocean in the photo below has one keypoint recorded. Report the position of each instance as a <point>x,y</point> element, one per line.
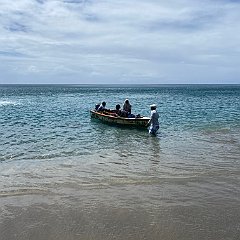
<point>66,176</point>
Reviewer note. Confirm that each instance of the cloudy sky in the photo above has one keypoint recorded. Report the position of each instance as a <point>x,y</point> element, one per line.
<point>120,41</point>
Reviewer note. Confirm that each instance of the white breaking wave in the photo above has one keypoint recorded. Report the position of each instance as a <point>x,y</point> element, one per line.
<point>5,103</point>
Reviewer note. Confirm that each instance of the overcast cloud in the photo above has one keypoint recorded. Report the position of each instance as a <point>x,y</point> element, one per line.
<point>119,41</point>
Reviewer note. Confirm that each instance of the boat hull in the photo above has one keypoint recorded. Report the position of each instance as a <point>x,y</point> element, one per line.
<point>108,118</point>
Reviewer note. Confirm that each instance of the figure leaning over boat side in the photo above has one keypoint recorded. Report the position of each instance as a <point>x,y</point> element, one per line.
<point>153,120</point>
<point>102,107</point>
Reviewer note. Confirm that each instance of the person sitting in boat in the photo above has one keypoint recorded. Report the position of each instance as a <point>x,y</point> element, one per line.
<point>121,113</point>
<point>102,107</point>
<point>127,107</point>
<point>118,111</point>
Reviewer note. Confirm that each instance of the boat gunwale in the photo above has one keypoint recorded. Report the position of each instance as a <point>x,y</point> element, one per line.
<point>144,119</point>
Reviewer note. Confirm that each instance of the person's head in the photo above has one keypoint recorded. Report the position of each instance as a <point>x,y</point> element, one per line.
<point>153,106</point>
<point>118,106</point>
<point>104,104</point>
<point>97,106</point>
<point>127,101</point>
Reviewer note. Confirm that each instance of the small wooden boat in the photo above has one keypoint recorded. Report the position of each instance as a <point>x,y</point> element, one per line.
<point>110,117</point>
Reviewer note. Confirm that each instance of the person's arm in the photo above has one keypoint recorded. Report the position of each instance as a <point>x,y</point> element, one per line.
<point>150,120</point>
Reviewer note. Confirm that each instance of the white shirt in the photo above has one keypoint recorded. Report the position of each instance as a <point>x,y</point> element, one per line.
<point>154,118</point>
<point>101,108</point>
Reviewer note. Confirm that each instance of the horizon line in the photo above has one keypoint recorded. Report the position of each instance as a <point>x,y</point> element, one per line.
<point>117,84</point>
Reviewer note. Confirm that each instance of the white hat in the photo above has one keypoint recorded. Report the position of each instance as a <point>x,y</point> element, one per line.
<point>153,105</point>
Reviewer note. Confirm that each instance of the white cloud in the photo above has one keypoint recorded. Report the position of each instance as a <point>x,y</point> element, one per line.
<point>126,41</point>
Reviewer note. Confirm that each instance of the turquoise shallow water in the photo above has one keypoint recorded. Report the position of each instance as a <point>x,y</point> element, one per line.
<point>53,121</point>
<point>52,150</point>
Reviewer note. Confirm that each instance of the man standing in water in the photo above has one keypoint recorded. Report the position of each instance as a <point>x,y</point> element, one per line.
<point>153,120</point>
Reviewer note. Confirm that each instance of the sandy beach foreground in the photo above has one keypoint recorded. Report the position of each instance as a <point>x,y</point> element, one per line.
<point>120,212</point>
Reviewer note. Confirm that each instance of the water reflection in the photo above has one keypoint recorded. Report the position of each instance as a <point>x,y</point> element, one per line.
<point>154,149</point>
<point>127,146</point>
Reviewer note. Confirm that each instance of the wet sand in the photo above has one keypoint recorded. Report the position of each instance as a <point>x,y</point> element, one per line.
<point>119,212</point>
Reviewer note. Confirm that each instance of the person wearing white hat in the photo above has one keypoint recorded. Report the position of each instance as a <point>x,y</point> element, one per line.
<point>153,120</point>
